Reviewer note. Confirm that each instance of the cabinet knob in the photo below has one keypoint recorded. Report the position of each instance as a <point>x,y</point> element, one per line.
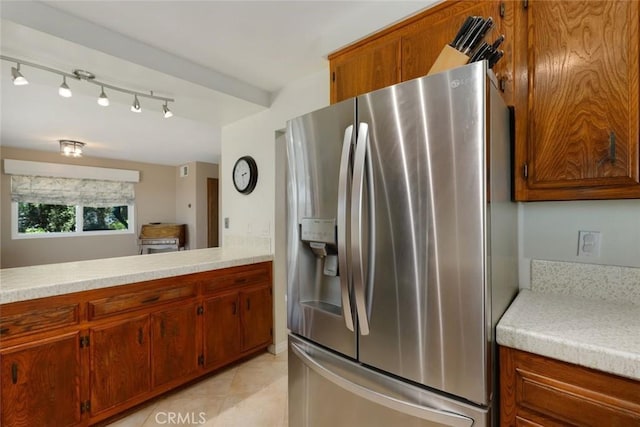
<point>140,336</point>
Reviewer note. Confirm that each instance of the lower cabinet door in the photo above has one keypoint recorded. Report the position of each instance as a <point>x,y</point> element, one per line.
<point>41,383</point>
<point>119,362</point>
<point>174,344</point>
<point>257,315</point>
<point>222,339</point>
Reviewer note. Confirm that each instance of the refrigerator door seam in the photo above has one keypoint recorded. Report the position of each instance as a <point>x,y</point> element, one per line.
<point>423,412</point>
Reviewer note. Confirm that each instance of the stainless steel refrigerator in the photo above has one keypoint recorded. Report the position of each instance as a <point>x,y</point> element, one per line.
<point>401,253</point>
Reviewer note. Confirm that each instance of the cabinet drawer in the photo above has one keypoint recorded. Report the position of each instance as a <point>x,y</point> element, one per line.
<point>239,276</point>
<point>135,300</point>
<point>573,394</point>
<point>36,319</point>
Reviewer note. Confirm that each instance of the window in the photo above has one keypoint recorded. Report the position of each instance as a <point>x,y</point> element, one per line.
<point>50,220</point>
<point>54,200</point>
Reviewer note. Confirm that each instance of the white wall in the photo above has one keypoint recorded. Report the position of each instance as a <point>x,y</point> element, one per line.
<point>254,215</point>
<point>549,231</point>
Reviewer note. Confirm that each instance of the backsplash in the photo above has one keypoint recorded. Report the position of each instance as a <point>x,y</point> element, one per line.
<point>242,241</point>
<point>612,283</point>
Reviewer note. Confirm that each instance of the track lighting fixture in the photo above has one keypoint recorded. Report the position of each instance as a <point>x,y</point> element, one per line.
<point>167,113</point>
<point>64,90</point>
<point>16,75</point>
<point>82,75</point>
<point>136,105</point>
<point>102,99</point>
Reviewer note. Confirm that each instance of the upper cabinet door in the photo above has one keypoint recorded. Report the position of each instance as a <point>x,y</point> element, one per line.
<point>366,68</point>
<point>577,111</point>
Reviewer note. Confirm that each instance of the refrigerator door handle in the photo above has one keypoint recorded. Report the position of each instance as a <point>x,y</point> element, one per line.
<point>394,403</point>
<point>357,197</point>
<point>344,184</point>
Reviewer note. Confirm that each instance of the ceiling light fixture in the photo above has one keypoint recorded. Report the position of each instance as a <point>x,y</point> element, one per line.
<point>82,75</point>
<point>102,99</point>
<point>64,90</point>
<point>16,75</point>
<point>136,105</point>
<point>71,148</point>
<point>165,110</point>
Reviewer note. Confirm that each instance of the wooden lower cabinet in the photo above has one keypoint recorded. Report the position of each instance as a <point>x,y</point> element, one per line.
<point>174,344</point>
<point>221,329</point>
<point>539,391</point>
<point>41,383</point>
<point>107,350</point>
<point>120,368</point>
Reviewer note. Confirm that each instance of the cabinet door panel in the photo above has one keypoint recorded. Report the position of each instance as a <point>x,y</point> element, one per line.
<point>257,315</point>
<point>174,349</point>
<point>41,383</point>
<point>581,99</point>
<point>222,339</point>
<point>119,362</point>
<point>369,68</point>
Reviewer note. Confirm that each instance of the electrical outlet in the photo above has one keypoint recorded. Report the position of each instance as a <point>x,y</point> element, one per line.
<point>589,243</point>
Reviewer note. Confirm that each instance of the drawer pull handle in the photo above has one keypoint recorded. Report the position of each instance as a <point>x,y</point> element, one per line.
<point>140,336</point>
<point>241,280</point>
<point>248,303</point>
<point>14,373</point>
<point>151,299</point>
<point>235,308</point>
<point>162,331</point>
<point>4,331</point>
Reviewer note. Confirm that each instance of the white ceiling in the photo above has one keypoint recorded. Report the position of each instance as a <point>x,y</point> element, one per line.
<point>221,61</point>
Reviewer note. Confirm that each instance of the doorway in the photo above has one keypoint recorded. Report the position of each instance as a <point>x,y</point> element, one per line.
<point>212,213</point>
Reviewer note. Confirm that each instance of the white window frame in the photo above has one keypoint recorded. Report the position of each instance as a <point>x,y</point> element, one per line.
<point>15,235</point>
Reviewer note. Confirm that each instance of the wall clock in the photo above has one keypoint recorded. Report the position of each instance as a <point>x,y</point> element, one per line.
<point>245,174</point>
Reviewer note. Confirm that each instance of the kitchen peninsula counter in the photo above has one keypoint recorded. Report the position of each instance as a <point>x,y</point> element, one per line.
<point>26,283</point>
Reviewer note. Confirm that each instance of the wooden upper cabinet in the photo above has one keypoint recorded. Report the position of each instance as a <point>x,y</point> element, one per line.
<point>369,67</point>
<point>577,109</point>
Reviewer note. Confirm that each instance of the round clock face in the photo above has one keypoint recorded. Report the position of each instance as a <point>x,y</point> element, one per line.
<point>245,174</point>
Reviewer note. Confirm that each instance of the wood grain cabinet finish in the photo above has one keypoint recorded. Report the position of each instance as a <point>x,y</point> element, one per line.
<point>80,359</point>
<point>174,344</point>
<point>120,367</point>
<point>41,383</point>
<point>539,391</point>
<point>408,49</point>
<point>222,333</point>
<point>577,103</point>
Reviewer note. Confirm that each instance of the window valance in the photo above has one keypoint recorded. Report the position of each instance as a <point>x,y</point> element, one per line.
<point>71,191</point>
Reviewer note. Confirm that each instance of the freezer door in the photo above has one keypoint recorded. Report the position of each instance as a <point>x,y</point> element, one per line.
<point>319,147</point>
<point>426,300</point>
<point>326,390</point>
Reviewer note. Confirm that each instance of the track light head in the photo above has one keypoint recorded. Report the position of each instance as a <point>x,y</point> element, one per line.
<point>165,110</point>
<point>18,78</point>
<point>64,90</point>
<point>103,100</point>
<point>136,105</point>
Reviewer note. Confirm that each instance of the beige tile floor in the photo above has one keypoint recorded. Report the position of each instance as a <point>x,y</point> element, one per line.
<point>251,394</point>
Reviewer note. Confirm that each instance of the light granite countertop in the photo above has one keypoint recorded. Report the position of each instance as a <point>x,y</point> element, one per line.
<point>26,283</point>
<point>586,329</point>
